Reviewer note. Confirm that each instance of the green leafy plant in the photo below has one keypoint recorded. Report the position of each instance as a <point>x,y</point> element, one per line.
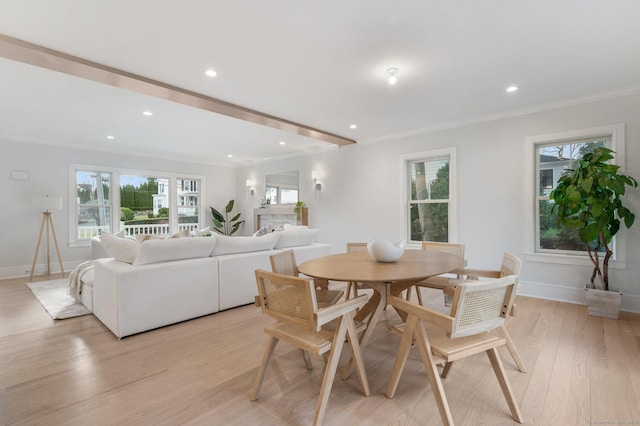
<point>588,198</point>
<point>224,225</point>
<point>298,210</point>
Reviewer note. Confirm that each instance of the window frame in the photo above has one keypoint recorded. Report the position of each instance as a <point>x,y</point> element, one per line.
<point>617,134</point>
<point>115,196</point>
<point>405,192</point>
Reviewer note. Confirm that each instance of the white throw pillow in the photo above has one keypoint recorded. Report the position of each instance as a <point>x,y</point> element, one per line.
<point>296,237</point>
<point>288,226</point>
<point>166,250</point>
<point>122,249</point>
<point>230,245</point>
<point>206,231</point>
<point>262,231</point>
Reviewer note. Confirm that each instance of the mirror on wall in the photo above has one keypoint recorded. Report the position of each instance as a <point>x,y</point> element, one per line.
<point>282,188</point>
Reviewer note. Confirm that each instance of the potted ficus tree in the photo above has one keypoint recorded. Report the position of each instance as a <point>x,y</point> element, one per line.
<point>588,198</point>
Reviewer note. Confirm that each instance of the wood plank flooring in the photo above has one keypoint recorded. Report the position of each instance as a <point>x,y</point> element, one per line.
<point>582,371</point>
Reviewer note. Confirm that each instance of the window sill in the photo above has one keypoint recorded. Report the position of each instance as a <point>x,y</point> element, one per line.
<point>565,259</point>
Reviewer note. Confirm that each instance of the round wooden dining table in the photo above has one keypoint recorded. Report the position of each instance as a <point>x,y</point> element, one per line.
<point>385,278</point>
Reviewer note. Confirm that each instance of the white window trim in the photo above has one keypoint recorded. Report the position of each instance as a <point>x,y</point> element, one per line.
<point>617,134</point>
<point>115,195</point>
<point>453,190</point>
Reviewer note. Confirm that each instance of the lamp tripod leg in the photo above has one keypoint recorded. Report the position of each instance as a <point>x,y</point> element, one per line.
<point>35,256</point>
<point>55,242</point>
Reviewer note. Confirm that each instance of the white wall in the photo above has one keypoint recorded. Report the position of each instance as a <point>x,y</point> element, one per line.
<point>48,168</point>
<point>361,193</point>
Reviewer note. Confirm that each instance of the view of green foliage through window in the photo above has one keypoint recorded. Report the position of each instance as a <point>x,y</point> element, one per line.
<point>552,161</point>
<point>429,199</point>
<point>145,204</point>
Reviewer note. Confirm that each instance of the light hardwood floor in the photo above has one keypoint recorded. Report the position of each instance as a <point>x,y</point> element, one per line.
<point>582,370</point>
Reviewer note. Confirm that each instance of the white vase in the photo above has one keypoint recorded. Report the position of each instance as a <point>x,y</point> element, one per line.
<point>385,251</point>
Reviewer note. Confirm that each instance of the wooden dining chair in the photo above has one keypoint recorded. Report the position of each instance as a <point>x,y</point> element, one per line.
<point>478,307</point>
<point>352,286</point>
<point>439,282</point>
<point>511,265</point>
<point>285,263</point>
<point>300,322</point>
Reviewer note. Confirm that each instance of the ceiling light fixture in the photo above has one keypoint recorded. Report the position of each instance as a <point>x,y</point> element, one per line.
<point>393,79</point>
<point>110,137</point>
<point>353,126</point>
<point>229,155</point>
<point>211,73</point>
<point>512,89</point>
<point>147,113</point>
<point>282,143</point>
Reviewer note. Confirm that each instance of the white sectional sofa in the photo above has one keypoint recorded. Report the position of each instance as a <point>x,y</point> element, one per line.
<point>169,281</point>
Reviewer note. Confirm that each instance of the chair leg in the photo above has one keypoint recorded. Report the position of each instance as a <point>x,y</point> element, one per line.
<point>403,354</point>
<point>445,370</point>
<point>419,295</point>
<point>357,354</point>
<point>330,371</point>
<point>307,359</point>
<point>424,347</point>
<point>502,331</point>
<point>498,368</point>
<point>255,393</point>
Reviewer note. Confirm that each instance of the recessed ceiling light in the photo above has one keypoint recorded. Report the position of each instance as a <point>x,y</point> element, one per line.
<point>147,113</point>
<point>111,137</point>
<point>211,73</point>
<point>512,89</point>
<point>282,143</point>
<point>353,126</point>
<point>229,155</point>
<point>393,78</point>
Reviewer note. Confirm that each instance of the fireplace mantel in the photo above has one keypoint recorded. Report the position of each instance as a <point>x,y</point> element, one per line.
<point>274,216</point>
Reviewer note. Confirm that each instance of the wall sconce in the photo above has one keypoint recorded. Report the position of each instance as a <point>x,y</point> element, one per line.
<point>250,186</point>
<point>316,176</point>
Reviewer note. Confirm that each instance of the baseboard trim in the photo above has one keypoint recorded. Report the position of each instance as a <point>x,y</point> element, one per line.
<point>25,270</point>
<point>630,302</point>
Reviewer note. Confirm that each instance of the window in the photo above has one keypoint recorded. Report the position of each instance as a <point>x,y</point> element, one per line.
<point>188,205</point>
<point>430,195</point>
<point>549,156</point>
<point>93,205</point>
<point>553,160</point>
<point>149,203</point>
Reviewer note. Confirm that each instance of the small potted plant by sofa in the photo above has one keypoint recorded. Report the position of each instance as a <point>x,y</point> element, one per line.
<point>588,198</point>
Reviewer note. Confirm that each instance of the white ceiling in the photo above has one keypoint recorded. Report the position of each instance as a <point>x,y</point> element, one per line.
<point>321,64</point>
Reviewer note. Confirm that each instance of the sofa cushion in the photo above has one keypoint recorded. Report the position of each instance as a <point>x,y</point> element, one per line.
<point>166,250</point>
<point>230,245</point>
<point>122,249</point>
<point>296,237</point>
<point>204,232</point>
<point>141,238</point>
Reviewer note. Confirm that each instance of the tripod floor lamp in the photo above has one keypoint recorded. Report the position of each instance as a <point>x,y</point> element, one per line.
<point>47,204</point>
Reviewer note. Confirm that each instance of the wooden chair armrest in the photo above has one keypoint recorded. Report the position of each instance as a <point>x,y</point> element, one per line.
<point>438,319</point>
<point>473,274</point>
<point>328,314</point>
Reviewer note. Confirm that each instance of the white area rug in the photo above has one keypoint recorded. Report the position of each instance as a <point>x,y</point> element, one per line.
<point>53,296</point>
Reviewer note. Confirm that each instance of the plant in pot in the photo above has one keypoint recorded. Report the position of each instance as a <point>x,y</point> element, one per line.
<point>588,198</point>
<point>224,225</point>
<point>298,211</point>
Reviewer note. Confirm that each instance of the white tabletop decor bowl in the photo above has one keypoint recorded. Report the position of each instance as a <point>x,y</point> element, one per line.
<point>384,251</point>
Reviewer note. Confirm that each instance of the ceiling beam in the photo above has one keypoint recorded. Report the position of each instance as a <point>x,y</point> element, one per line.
<point>33,54</point>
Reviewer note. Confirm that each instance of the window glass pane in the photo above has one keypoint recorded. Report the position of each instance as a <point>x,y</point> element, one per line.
<point>271,194</point>
<point>188,204</point>
<point>553,161</point>
<point>430,222</point>
<point>289,196</point>
<point>147,198</point>
<point>429,179</point>
<point>93,211</point>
